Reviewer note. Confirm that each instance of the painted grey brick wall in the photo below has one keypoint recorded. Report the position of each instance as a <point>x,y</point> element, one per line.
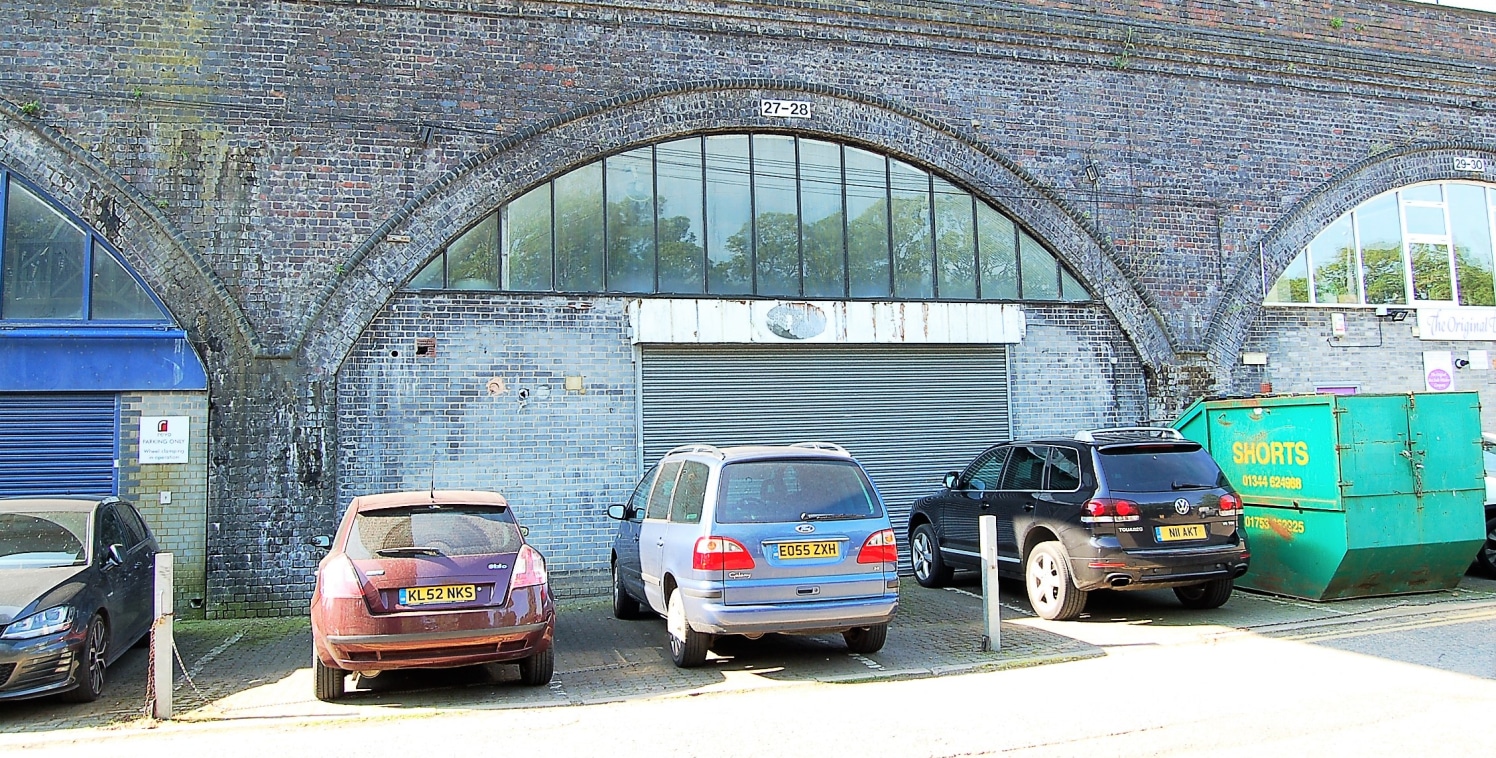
<point>559,457</point>
<point>1074,370</point>
<point>180,526</point>
<point>1303,355</point>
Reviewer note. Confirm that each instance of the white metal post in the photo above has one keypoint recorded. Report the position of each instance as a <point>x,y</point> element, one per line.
<point>161,639</point>
<point>991,609</point>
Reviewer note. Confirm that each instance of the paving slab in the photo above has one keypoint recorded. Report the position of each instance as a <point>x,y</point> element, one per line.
<point>251,670</point>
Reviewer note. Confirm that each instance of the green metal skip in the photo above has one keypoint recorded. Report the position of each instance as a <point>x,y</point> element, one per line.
<point>1351,495</point>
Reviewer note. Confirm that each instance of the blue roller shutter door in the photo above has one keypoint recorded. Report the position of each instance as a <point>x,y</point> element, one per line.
<point>63,444</point>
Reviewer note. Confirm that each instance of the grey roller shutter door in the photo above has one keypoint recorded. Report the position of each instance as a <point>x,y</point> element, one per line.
<point>908,413</point>
<point>60,444</point>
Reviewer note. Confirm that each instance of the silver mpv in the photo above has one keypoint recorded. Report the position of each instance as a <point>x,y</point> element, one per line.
<point>756,540</point>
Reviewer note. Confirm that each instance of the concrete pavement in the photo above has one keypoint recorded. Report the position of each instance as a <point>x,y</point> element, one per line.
<point>257,671</point>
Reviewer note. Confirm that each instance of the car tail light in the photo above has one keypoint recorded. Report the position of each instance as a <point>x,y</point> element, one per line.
<point>720,554</point>
<point>529,569</point>
<point>1106,510</point>
<point>1230,504</point>
<point>879,548</point>
<point>338,579</point>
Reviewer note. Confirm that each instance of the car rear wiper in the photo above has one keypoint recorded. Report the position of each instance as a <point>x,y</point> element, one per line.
<point>829,516</point>
<point>1188,486</point>
<point>406,552</point>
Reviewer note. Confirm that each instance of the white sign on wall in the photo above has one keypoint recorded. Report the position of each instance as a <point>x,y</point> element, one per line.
<point>1438,370</point>
<point>1457,323</point>
<point>163,439</point>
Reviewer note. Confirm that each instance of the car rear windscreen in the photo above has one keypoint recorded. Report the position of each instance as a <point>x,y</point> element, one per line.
<point>1159,468</point>
<point>452,530</point>
<point>795,490</point>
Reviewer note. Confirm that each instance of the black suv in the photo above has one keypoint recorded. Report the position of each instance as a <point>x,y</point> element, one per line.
<point>1134,508</point>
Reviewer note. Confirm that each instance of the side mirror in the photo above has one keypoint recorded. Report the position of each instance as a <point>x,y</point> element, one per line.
<point>951,480</point>
<point>321,541</point>
<point>618,512</point>
<point>115,556</point>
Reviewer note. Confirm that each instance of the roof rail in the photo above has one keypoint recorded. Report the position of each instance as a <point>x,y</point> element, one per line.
<point>1128,432</point>
<point>698,447</point>
<point>816,445</point>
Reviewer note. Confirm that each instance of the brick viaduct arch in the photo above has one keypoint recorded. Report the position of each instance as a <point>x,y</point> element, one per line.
<point>149,241</point>
<point>1339,195</point>
<point>407,239</point>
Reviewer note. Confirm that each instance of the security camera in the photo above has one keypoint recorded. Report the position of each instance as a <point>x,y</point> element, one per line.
<point>1461,363</point>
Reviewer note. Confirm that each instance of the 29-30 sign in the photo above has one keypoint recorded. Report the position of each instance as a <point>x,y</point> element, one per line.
<point>784,108</point>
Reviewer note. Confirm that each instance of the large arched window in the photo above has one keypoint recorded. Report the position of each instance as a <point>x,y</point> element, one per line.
<point>1425,243</point>
<point>769,215</point>
<point>53,270</point>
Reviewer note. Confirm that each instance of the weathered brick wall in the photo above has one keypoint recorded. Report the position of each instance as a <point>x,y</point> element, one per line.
<point>456,413</point>
<point>487,409</point>
<point>277,169</point>
<point>181,524</point>
<point>1074,370</point>
<point>1375,355</point>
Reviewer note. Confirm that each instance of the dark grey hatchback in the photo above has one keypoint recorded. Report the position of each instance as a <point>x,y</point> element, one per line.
<point>1122,509</point>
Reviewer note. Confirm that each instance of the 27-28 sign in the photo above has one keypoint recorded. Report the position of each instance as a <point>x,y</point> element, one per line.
<point>784,108</point>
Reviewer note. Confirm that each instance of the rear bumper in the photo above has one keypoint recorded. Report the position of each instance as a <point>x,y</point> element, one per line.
<point>346,636</point>
<point>1103,567</point>
<point>814,617</point>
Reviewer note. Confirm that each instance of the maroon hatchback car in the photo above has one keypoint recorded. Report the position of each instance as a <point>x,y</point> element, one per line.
<point>431,579</point>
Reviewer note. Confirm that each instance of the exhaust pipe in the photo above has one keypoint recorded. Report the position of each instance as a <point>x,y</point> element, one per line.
<point>1119,580</point>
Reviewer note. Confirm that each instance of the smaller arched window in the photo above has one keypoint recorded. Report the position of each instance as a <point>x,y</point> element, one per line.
<point>1425,243</point>
<point>53,269</point>
<point>767,215</point>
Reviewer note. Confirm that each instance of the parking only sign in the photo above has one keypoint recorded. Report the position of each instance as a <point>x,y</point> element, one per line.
<point>163,439</point>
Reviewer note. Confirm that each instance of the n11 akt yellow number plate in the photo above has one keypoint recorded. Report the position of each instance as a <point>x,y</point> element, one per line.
<point>449,593</point>
<point>1180,532</point>
<point>791,551</point>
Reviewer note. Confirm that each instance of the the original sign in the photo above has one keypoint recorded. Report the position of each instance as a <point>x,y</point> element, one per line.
<point>163,439</point>
<point>1457,324</point>
<point>784,108</point>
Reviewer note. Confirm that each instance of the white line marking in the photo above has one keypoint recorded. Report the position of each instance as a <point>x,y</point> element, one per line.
<point>197,667</point>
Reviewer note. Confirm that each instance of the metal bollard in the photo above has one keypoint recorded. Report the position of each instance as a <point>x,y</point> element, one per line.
<point>991,608</point>
<point>161,639</point>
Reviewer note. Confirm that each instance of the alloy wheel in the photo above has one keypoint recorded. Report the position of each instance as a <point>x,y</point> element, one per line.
<point>1044,582</point>
<point>922,553</point>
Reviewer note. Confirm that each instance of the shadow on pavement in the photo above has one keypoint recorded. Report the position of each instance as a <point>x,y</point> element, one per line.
<point>260,668</point>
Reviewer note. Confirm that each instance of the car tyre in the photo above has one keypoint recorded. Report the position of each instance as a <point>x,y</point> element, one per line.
<point>1203,597</point>
<point>92,662</point>
<point>1051,588</point>
<point>329,682</point>
<point>924,550</point>
<point>536,670</point>
<point>1486,558</point>
<point>866,639</point>
<point>687,646</point>
<point>624,605</point>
